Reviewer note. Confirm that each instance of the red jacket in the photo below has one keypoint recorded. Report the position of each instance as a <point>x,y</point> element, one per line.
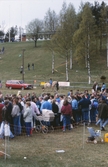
<point>66,110</point>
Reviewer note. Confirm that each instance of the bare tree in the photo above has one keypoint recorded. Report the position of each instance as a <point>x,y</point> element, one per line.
<point>50,21</point>
<point>33,29</point>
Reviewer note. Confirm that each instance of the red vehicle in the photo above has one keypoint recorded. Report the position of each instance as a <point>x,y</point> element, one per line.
<point>18,84</point>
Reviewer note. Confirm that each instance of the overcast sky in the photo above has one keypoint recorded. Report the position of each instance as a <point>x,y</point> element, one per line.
<point>21,12</point>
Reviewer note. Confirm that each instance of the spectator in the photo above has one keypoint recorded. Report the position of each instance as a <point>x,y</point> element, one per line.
<point>46,104</point>
<point>66,111</point>
<point>5,120</point>
<point>16,117</point>
<point>0,84</point>
<point>84,103</point>
<point>28,66</point>
<point>1,106</point>
<point>55,109</point>
<point>57,86</point>
<point>103,87</point>
<point>32,66</point>
<point>28,118</point>
<point>103,114</point>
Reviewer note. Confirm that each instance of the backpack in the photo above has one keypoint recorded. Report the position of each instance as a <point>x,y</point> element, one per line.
<point>95,104</point>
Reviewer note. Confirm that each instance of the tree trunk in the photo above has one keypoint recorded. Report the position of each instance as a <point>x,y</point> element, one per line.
<point>52,62</point>
<point>86,63</point>
<point>107,50</point>
<point>67,77</point>
<point>88,60</point>
<point>71,59</point>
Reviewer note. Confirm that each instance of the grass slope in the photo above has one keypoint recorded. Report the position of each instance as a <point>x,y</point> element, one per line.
<point>10,64</point>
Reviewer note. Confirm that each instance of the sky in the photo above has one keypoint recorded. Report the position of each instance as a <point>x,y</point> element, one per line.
<point>21,12</point>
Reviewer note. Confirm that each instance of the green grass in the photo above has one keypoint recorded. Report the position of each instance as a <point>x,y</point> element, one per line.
<point>10,64</point>
<point>40,150</point>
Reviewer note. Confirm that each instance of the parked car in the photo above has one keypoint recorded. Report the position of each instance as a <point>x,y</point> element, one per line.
<point>18,84</point>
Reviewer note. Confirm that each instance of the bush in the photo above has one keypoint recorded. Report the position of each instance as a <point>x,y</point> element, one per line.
<point>103,77</point>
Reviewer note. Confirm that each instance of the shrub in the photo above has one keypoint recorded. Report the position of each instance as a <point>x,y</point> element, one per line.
<point>103,77</point>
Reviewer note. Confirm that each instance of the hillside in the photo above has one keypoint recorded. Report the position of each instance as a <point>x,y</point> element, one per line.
<point>10,64</point>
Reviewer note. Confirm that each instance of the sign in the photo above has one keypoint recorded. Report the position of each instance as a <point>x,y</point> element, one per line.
<point>64,83</point>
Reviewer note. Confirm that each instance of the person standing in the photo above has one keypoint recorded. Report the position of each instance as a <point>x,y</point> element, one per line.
<point>55,109</point>
<point>28,66</point>
<point>84,103</point>
<point>16,117</point>
<point>57,86</point>
<point>66,111</point>
<point>1,106</point>
<point>32,66</point>
<point>75,110</point>
<point>5,120</point>
<point>103,113</point>
<point>28,118</point>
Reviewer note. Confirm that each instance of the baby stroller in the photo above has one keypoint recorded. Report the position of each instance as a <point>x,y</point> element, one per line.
<point>95,135</point>
<point>40,127</point>
<point>45,121</point>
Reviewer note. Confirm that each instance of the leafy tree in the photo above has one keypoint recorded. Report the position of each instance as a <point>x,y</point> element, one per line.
<point>1,33</point>
<point>33,29</point>
<point>100,12</point>
<point>11,33</point>
<point>84,38</point>
<point>63,39</point>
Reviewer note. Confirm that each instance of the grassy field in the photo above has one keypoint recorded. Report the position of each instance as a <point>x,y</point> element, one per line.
<point>10,64</point>
<point>40,150</point>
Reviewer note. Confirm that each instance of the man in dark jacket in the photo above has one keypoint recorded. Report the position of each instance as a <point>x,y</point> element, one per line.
<point>84,103</point>
<point>1,106</point>
<point>103,113</point>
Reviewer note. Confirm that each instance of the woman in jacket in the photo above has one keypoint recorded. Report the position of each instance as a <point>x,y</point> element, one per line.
<point>16,117</point>
<point>66,111</point>
<point>28,118</point>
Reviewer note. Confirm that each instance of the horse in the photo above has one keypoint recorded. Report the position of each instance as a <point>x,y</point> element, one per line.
<point>48,85</point>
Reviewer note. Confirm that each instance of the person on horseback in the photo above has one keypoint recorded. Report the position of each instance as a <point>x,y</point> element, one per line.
<point>50,81</point>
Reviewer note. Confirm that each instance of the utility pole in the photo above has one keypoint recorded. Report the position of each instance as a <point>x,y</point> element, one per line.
<point>23,64</point>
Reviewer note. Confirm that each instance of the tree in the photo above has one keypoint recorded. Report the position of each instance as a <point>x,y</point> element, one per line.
<point>63,38</point>
<point>1,36</point>
<point>84,37</point>
<point>11,33</point>
<point>33,29</point>
<point>50,21</point>
<point>1,33</point>
<point>100,12</point>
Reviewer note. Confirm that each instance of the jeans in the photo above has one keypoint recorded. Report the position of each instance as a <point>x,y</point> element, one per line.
<point>76,115</point>
<point>101,122</point>
<point>93,113</point>
<point>85,115</point>
<point>105,123</point>
<point>17,125</point>
<point>28,128</point>
<point>66,121</point>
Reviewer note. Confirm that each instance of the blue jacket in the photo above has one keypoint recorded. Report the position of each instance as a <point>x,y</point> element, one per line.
<point>46,105</point>
<point>74,104</point>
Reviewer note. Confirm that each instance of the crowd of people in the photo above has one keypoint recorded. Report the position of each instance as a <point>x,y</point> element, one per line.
<point>70,110</point>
